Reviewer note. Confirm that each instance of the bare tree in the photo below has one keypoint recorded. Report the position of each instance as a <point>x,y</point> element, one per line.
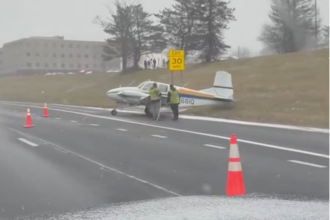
<point>241,52</point>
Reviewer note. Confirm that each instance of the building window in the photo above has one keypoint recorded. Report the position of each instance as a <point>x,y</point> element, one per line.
<point>37,54</point>
<point>37,44</point>
<point>46,45</point>
<point>87,66</point>
<point>71,65</point>
<point>46,65</point>
<point>28,54</point>
<point>63,65</point>
<point>54,65</point>
<point>86,47</point>
<point>79,65</point>
<point>28,44</point>
<point>70,45</point>
<point>70,55</point>
<point>46,55</point>
<point>86,55</point>
<point>28,65</point>
<point>54,54</point>
<point>54,45</point>
<point>94,65</point>
<point>37,65</point>
<point>62,45</point>
<point>62,55</point>
<point>78,45</point>
<point>78,55</point>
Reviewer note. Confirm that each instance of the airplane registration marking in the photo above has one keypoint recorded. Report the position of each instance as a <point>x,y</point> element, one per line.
<point>184,100</point>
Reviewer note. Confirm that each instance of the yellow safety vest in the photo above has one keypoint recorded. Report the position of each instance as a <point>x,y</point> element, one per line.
<point>174,99</point>
<point>154,94</point>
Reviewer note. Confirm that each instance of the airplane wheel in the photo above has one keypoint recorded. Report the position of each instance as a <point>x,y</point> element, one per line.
<point>114,112</point>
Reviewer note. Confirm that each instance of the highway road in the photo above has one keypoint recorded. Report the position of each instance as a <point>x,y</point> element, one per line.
<point>79,158</point>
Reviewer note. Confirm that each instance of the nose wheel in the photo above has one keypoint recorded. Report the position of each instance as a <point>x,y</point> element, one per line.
<point>114,112</point>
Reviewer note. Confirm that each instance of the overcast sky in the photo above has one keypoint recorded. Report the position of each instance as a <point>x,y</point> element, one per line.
<point>73,19</point>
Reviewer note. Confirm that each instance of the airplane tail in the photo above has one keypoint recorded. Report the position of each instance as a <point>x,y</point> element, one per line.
<point>222,86</point>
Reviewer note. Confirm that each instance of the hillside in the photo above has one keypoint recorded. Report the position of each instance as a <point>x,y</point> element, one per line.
<point>286,89</point>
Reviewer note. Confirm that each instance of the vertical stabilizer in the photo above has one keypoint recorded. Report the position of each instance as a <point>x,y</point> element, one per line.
<point>223,86</point>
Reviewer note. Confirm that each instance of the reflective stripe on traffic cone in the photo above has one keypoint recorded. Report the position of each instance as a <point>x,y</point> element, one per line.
<point>28,120</point>
<point>235,183</point>
<point>45,113</point>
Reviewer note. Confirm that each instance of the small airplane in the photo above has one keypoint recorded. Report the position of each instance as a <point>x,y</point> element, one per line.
<point>221,92</point>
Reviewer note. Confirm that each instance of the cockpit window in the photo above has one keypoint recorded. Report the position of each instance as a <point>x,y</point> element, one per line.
<point>140,86</point>
<point>147,86</point>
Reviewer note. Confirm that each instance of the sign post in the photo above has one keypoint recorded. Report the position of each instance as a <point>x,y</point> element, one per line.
<point>176,62</point>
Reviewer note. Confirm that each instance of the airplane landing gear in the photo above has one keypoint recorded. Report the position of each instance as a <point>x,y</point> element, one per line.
<point>114,112</point>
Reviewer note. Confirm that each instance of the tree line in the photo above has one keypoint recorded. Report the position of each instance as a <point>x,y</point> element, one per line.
<point>189,25</point>
<point>197,26</point>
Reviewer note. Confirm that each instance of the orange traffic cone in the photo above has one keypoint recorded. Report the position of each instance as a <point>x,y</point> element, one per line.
<point>28,121</point>
<point>45,114</point>
<point>235,183</point>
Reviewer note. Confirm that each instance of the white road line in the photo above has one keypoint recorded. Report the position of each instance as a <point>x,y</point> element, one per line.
<point>57,118</point>
<point>74,121</point>
<point>121,129</point>
<point>95,125</point>
<point>60,150</point>
<point>305,163</point>
<point>184,131</point>
<point>106,167</point>
<point>158,136</point>
<point>308,129</point>
<point>27,142</point>
<point>214,146</point>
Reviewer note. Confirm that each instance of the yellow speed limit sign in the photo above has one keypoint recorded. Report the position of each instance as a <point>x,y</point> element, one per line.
<point>176,60</point>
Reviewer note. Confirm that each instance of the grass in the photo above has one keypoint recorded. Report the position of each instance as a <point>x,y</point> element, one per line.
<point>287,89</point>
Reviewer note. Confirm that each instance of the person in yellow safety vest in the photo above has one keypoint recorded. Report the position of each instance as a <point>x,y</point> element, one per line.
<point>155,104</point>
<point>173,97</point>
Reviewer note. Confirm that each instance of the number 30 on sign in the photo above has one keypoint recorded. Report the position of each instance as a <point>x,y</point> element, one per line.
<point>176,60</point>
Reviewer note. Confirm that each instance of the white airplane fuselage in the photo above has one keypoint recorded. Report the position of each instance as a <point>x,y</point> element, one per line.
<point>221,92</point>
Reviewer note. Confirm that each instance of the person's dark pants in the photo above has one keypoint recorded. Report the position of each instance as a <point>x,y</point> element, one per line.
<point>175,110</point>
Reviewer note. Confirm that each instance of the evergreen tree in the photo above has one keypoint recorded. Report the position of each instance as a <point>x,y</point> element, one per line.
<point>325,36</point>
<point>144,34</point>
<point>178,23</point>
<point>212,18</point>
<point>293,26</point>
<point>131,32</point>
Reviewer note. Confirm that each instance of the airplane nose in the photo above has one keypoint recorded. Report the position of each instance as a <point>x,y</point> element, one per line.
<point>111,92</point>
